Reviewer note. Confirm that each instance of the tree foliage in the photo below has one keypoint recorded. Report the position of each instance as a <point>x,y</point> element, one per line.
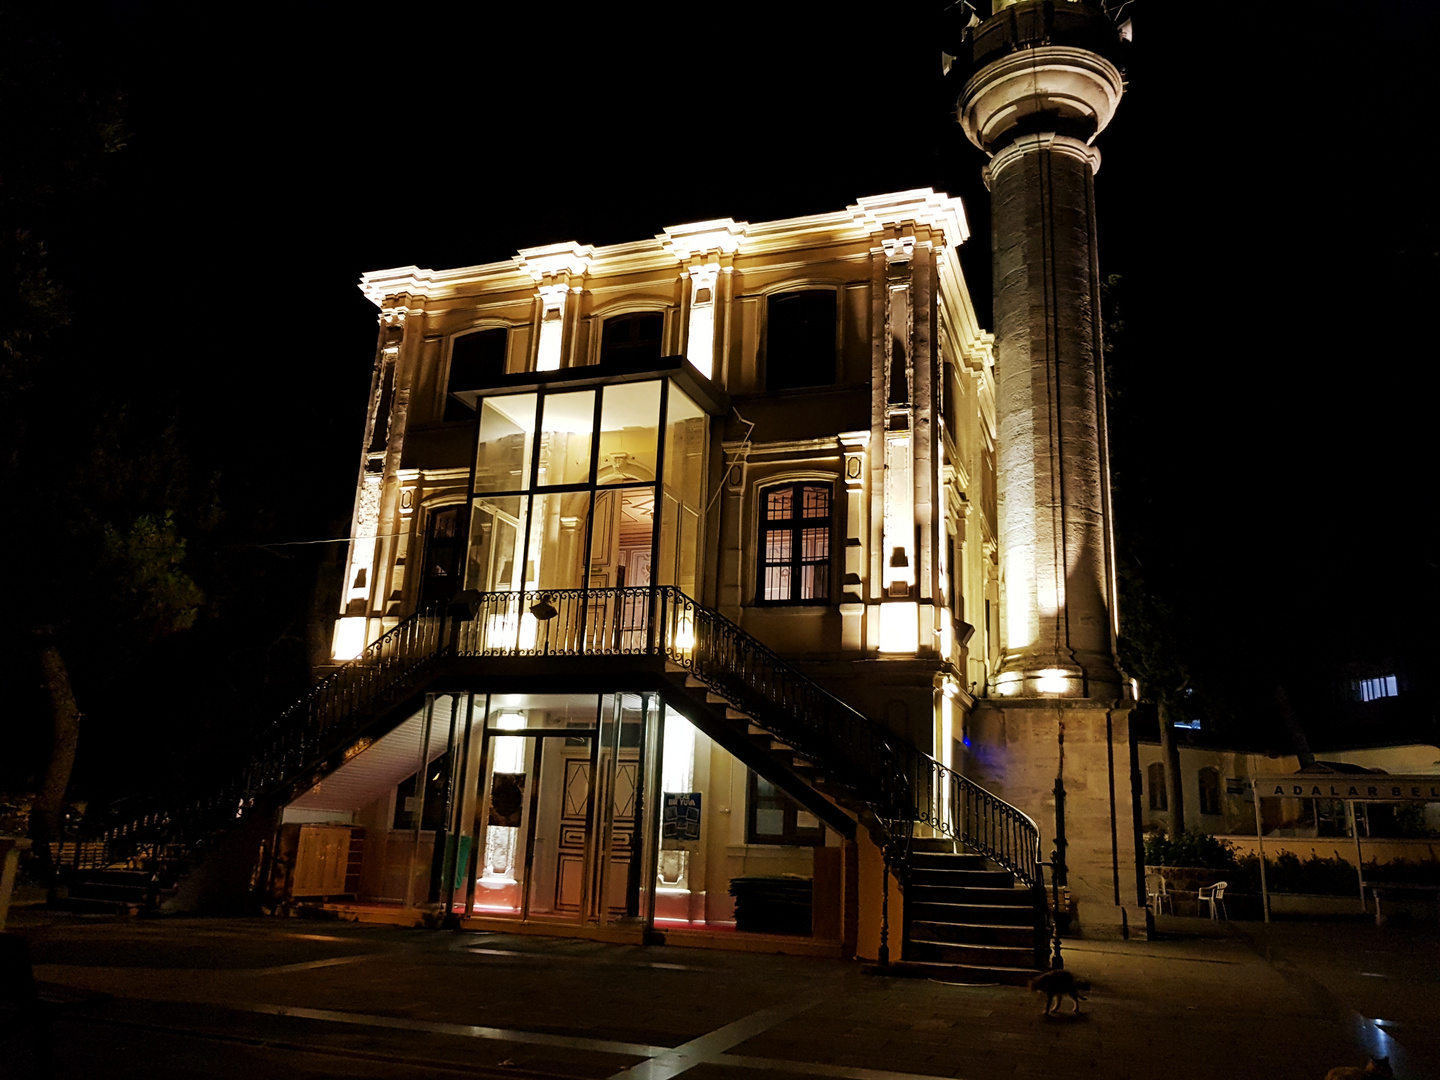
<point>98,546</point>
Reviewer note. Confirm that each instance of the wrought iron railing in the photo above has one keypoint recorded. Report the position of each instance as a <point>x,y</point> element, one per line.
<point>333,710</point>
<point>847,746</point>
<point>897,782</point>
<point>384,672</point>
<point>957,807</point>
<point>559,622</point>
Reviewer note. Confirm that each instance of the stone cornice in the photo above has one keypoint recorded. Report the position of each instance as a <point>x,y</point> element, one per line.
<point>915,212</point>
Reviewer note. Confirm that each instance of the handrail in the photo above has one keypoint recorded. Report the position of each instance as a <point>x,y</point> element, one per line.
<point>328,713</point>
<point>289,744</point>
<point>900,784</point>
<point>956,806</point>
<point>850,747</point>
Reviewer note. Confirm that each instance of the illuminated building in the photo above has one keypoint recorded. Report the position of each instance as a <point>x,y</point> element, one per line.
<point>684,564</point>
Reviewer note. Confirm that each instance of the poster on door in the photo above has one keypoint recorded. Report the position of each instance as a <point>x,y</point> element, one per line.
<point>507,799</point>
<point>680,820</point>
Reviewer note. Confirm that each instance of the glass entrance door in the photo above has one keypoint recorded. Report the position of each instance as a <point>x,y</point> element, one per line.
<point>536,821</point>
<point>504,823</point>
<point>555,809</point>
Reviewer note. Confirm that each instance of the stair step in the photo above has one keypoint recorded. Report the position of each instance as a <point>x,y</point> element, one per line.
<point>962,879</point>
<point>137,878</point>
<point>963,973</point>
<point>693,681</point>
<point>736,714</point>
<point>118,894</point>
<point>945,861</point>
<point>938,845</point>
<point>981,914</point>
<point>954,952</point>
<point>960,894</point>
<point>1015,936</point>
<point>85,906</point>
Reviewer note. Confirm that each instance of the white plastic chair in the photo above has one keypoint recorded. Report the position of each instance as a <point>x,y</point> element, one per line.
<point>1158,894</point>
<point>1214,895</point>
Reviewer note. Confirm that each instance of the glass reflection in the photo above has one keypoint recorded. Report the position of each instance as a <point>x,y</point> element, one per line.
<point>629,432</point>
<point>565,432</point>
<point>507,427</point>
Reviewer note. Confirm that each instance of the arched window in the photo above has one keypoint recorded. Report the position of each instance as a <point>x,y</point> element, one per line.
<point>794,557</point>
<point>1155,781</point>
<point>1210,791</point>
<point>633,339</point>
<point>800,339</point>
<point>477,361</point>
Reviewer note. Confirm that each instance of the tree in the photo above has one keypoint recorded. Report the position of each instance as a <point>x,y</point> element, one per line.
<point>97,546</point>
<point>1152,651</point>
<point>1168,641</point>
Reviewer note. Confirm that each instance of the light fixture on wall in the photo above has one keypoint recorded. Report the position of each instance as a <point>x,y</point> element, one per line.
<point>1052,681</point>
<point>899,573</point>
<point>543,610</point>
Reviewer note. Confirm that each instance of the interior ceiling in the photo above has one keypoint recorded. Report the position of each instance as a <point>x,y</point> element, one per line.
<point>376,771</point>
<point>637,518</point>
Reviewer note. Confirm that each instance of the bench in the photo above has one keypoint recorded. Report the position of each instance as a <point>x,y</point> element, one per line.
<point>1398,890</point>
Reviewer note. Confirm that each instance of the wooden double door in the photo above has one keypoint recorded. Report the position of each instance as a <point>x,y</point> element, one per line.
<point>559,823</point>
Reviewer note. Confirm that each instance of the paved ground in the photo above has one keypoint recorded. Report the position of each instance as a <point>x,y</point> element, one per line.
<point>249,999</point>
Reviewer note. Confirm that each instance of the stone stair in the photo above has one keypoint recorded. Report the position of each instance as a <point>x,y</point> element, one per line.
<point>969,922</point>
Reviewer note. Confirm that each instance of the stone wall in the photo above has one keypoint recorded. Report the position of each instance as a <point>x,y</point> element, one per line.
<point>1015,751</point>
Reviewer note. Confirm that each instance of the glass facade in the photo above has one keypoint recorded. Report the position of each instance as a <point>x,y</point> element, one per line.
<point>566,483</point>
<point>583,809</point>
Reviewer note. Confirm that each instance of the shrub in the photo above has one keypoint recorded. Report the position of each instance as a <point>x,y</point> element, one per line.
<point>1333,876</point>
<point>1190,848</point>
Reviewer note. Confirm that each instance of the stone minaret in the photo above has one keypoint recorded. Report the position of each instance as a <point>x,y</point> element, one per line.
<point>1053,737</point>
<point>1040,86</point>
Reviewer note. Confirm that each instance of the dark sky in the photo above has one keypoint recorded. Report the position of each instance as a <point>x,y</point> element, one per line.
<point>1266,195</point>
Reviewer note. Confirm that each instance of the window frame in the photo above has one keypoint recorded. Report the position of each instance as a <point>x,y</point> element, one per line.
<point>1211,795</point>
<point>770,380</point>
<point>791,834</point>
<point>630,353</point>
<point>451,401</point>
<point>459,542</point>
<point>1159,799</point>
<point>796,528</point>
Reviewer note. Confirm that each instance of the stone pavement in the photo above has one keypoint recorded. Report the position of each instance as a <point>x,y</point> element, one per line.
<point>248,999</point>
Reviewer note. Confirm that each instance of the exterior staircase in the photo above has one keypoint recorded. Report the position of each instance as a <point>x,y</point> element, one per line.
<point>980,915</point>
<point>969,921</point>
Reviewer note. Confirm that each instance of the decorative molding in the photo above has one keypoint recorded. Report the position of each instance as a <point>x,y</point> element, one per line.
<point>1031,144</point>
<point>1071,85</point>
<point>923,209</point>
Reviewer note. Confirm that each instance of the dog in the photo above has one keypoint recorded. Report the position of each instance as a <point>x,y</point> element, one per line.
<point>1377,1069</point>
<point>1058,984</point>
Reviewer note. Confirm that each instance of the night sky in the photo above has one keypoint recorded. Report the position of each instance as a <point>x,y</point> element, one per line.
<point>1265,195</point>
